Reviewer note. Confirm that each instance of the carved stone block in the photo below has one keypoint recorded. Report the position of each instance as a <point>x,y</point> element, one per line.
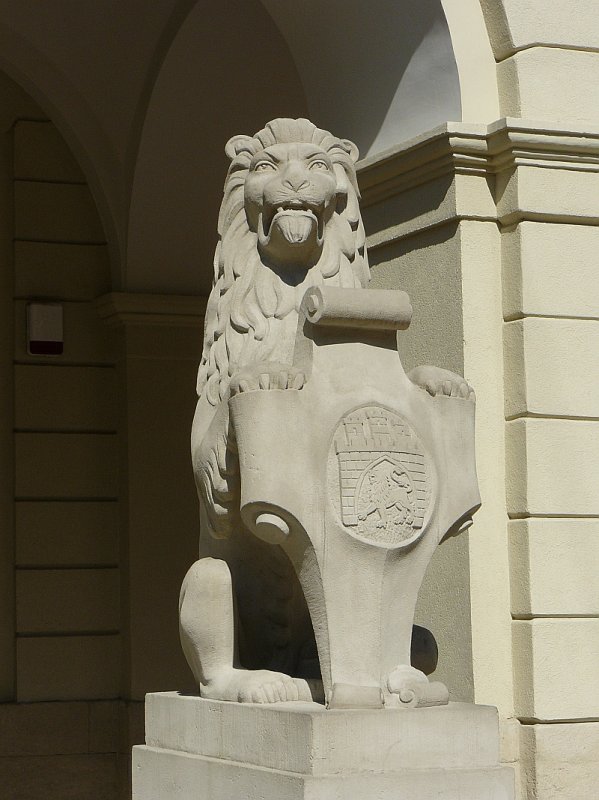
<point>231,751</point>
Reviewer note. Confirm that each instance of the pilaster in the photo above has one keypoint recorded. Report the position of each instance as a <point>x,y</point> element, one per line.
<point>7,534</point>
<point>159,346</point>
<point>512,208</point>
<point>430,209</point>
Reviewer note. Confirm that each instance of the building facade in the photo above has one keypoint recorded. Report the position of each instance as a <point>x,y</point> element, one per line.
<point>478,126</point>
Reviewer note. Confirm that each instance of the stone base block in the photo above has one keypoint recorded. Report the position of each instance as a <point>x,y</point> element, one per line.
<point>208,750</point>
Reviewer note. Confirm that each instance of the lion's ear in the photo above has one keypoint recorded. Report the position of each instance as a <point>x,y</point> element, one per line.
<point>239,144</point>
<point>351,149</point>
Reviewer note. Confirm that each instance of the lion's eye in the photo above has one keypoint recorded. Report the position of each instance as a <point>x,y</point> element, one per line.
<point>319,165</point>
<point>264,166</point>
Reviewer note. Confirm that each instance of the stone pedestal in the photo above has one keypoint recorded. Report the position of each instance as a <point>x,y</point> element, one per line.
<point>200,749</point>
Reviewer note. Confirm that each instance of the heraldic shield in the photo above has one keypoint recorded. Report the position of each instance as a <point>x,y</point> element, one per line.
<point>384,480</point>
<point>358,476</point>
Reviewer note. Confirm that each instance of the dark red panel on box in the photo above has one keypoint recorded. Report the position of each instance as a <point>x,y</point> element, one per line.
<point>37,348</point>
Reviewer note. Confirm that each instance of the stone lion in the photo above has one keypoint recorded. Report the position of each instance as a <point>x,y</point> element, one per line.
<point>289,220</point>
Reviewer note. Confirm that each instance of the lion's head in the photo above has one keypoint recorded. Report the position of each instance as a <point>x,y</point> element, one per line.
<point>289,220</point>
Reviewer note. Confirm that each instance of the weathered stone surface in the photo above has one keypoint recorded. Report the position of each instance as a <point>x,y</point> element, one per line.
<point>66,667</point>
<point>180,776</point>
<point>300,750</point>
<point>307,739</point>
<point>42,729</point>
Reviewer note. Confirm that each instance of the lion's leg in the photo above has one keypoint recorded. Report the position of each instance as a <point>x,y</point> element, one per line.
<point>207,629</point>
<point>206,623</point>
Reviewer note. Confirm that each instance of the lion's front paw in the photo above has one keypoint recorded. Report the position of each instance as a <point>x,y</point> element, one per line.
<point>256,686</point>
<point>267,376</point>
<point>437,381</point>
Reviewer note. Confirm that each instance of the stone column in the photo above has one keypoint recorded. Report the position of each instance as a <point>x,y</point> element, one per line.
<point>549,203</point>
<point>159,343</point>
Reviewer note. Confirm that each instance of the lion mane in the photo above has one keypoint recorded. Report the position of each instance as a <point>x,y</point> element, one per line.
<point>252,311</point>
<point>250,303</point>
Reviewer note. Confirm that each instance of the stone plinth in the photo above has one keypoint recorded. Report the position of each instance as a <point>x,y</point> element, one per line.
<point>211,750</point>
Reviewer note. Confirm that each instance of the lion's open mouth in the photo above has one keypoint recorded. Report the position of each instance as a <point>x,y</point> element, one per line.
<point>294,220</point>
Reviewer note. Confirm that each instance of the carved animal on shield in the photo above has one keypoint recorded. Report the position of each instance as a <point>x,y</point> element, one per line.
<point>289,220</point>
<point>389,492</point>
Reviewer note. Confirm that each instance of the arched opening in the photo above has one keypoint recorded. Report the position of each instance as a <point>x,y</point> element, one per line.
<point>377,75</point>
<point>380,73</point>
<point>37,57</point>
<point>217,79</point>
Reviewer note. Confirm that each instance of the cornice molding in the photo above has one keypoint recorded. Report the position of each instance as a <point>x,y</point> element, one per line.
<point>458,148</point>
<point>133,308</point>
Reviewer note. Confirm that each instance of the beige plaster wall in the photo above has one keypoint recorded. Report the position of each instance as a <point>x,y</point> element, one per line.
<point>547,204</point>
<point>547,59</point>
<point>552,445</point>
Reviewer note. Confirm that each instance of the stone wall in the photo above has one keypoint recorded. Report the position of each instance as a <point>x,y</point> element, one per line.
<point>61,736</point>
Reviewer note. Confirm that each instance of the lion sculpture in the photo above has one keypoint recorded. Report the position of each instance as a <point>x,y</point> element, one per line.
<point>289,220</point>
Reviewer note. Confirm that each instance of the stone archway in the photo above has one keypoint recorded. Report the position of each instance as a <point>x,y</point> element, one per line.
<point>216,80</point>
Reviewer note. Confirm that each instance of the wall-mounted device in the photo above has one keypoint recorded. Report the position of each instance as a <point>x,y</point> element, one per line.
<point>44,329</point>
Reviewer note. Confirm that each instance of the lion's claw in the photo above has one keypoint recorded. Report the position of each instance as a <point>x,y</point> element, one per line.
<point>437,381</point>
<point>267,377</point>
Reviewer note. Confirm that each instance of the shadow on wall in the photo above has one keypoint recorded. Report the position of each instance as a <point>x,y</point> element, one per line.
<point>426,266</point>
<point>378,73</point>
<point>228,71</point>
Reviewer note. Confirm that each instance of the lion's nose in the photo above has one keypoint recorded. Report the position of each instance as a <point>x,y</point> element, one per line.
<point>295,178</point>
<point>295,183</point>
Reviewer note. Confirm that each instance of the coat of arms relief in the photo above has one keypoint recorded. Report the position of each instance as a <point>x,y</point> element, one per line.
<point>384,477</point>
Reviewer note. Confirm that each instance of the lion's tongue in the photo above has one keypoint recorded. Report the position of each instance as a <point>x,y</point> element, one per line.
<point>295,227</point>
